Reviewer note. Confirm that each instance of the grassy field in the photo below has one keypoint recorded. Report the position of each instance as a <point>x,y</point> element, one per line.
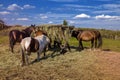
<point>108,44</point>
<point>85,65</point>
<point>113,45</point>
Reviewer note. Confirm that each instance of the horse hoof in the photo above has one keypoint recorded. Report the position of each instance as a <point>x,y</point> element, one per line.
<point>63,51</point>
<point>22,65</point>
<point>38,60</point>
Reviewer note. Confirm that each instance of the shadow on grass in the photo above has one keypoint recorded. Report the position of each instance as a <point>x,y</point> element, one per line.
<point>56,52</point>
<point>78,49</point>
<point>106,50</point>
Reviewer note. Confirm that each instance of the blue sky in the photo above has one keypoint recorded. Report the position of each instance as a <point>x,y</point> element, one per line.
<point>103,14</point>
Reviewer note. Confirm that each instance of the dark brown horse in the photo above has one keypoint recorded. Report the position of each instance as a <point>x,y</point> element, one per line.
<point>17,36</point>
<point>88,35</point>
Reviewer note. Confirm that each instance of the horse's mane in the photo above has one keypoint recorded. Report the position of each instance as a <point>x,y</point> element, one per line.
<point>28,30</point>
<point>80,30</point>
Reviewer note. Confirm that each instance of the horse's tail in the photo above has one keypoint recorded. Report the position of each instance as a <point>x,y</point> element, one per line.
<point>99,40</point>
<point>11,40</point>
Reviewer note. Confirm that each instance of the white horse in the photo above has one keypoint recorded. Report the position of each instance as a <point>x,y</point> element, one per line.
<point>37,44</point>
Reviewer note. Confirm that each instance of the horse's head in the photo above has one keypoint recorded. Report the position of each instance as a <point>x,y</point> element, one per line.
<point>29,29</point>
<point>74,33</point>
<point>32,27</point>
<point>39,32</point>
<point>71,28</point>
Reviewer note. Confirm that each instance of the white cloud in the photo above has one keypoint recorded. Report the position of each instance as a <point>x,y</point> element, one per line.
<point>104,11</point>
<point>16,13</point>
<point>14,7</point>
<point>13,19</point>
<point>77,6</point>
<point>111,6</point>
<point>4,13</point>
<point>22,19</point>
<point>64,0</point>
<point>82,16</point>
<point>44,17</point>
<point>107,17</point>
<point>50,22</point>
<point>108,9</point>
<point>71,22</point>
<point>27,6</point>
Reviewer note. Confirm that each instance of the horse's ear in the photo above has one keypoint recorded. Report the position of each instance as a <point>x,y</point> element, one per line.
<point>34,25</point>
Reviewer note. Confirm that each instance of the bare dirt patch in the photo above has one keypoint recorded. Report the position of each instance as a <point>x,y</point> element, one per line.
<point>109,65</point>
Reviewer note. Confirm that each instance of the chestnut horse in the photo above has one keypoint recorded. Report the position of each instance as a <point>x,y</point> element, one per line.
<point>17,36</point>
<point>88,35</point>
<point>42,32</point>
<point>39,32</point>
<point>36,44</point>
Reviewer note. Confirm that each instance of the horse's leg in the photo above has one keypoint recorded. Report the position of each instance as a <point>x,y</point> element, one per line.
<point>55,44</point>
<point>11,40</point>
<point>38,56</point>
<point>92,43</point>
<point>27,61</point>
<point>12,43</point>
<point>23,58</point>
<point>95,43</point>
<point>11,47</point>
<point>45,51</point>
<point>68,46</point>
<point>50,45</point>
<point>80,45</point>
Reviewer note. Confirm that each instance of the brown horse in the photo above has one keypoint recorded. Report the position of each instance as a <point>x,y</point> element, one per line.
<point>17,36</point>
<point>88,35</point>
<point>39,32</point>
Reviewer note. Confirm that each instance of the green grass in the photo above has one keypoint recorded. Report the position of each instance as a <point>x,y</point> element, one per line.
<point>3,39</point>
<point>113,45</point>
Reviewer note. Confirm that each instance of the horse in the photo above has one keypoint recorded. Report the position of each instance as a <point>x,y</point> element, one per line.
<point>16,36</point>
<point>37,44</point>
<point>88,35</point>
<point>39,32</point>
<point>42,32</point>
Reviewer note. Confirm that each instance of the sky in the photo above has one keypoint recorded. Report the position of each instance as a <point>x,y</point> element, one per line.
<point>100,14</point>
